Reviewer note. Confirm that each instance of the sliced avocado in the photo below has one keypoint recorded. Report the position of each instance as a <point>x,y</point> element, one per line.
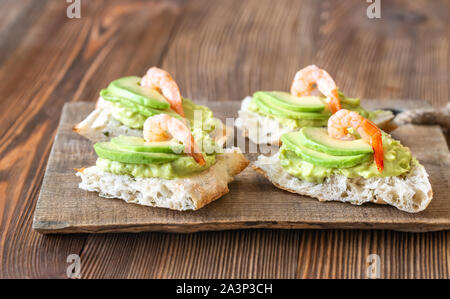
<point>110,151</point>
<point>144,110</point>
<point>138,144</point>
<point>109,96</point>
<point>276,110</point>
<point>288,101</point>
<point>352,102</point>
<point>291,142</point>
<point>131,89</point>
<point>319,140</point>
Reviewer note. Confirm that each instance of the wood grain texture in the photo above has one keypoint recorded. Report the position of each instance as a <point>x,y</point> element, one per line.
<point>217,50</point>
<point>63,208</point>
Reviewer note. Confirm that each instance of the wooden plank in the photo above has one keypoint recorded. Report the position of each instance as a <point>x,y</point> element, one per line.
<point>402,55</point>
<point>63,208</point>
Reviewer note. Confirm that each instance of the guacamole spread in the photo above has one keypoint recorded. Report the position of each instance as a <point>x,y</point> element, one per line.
<point>136,157</point>
<point>181,167</point>
<point>130,117</point>
<point>397,161</point>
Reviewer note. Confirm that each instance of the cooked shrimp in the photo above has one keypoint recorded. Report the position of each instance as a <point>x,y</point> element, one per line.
<point>162,127</point>
<point>162,81</point>
<point>339,122</point>
<point>312,78</point>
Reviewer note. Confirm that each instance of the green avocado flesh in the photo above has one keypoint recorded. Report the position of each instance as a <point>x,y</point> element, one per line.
<point>139,144</point>
<point>182,167</point>
<point>293,142</point>
<point>107,95</point>
<point>289,122</point>
<point>130,88</point>
<point>133,113</point>
<point>318,139</point>
<point>270,106</point>
<point>352,102</point>
<point>200,119</point>
<point>290,102</point>
<point>113,152</point>
<point>314,165</point>
<point>273,108</point>
<point>132,156</point>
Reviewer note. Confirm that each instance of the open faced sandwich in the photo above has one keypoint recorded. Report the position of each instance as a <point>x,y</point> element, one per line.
<point>166,168</point>
<point>351,161</point>
<point>126,103</point>
<point>314,96</point>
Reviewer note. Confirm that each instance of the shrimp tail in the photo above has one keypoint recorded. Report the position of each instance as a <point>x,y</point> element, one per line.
<point>192,150</point>
<point>178,110</point>
<point>377,145</point>
<point>376,141</point>
<point>335,102</point>
<point>199,158</point>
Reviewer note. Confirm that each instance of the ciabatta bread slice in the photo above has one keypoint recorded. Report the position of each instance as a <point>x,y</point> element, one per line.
<point>99,126</point>
<point>261,129</point>
<point>181,194</point>
<point>410,192</point>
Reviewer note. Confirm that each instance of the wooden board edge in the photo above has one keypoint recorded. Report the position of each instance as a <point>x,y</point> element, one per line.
<point>41,225</point>
<point>62,228</point>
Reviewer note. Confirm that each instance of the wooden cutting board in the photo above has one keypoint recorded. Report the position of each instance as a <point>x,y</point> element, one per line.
<point>253,202</point>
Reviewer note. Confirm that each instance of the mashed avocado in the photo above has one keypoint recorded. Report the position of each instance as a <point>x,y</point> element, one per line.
<point>182,167</point>
<point>397,161</point>
<point>363,112</point>
<point>128,116</point>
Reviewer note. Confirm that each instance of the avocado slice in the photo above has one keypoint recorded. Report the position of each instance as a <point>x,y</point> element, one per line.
<point>291,142</point>
<point>352,102</point>
<point>131,89</point>
<point>138,144</point>
<point>146,111</point>
<point>288,101</point>
<point>319,140</point>
<point>112,152</point>
<point>274,109</point>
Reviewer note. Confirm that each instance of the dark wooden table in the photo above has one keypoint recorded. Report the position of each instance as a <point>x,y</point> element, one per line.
<point>217,51</point>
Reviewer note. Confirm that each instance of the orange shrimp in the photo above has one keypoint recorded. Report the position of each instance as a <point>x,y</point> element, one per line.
<point>162,81</point>
<point>162,127</point>
<point>310,79</point>
<point>343,119</point>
